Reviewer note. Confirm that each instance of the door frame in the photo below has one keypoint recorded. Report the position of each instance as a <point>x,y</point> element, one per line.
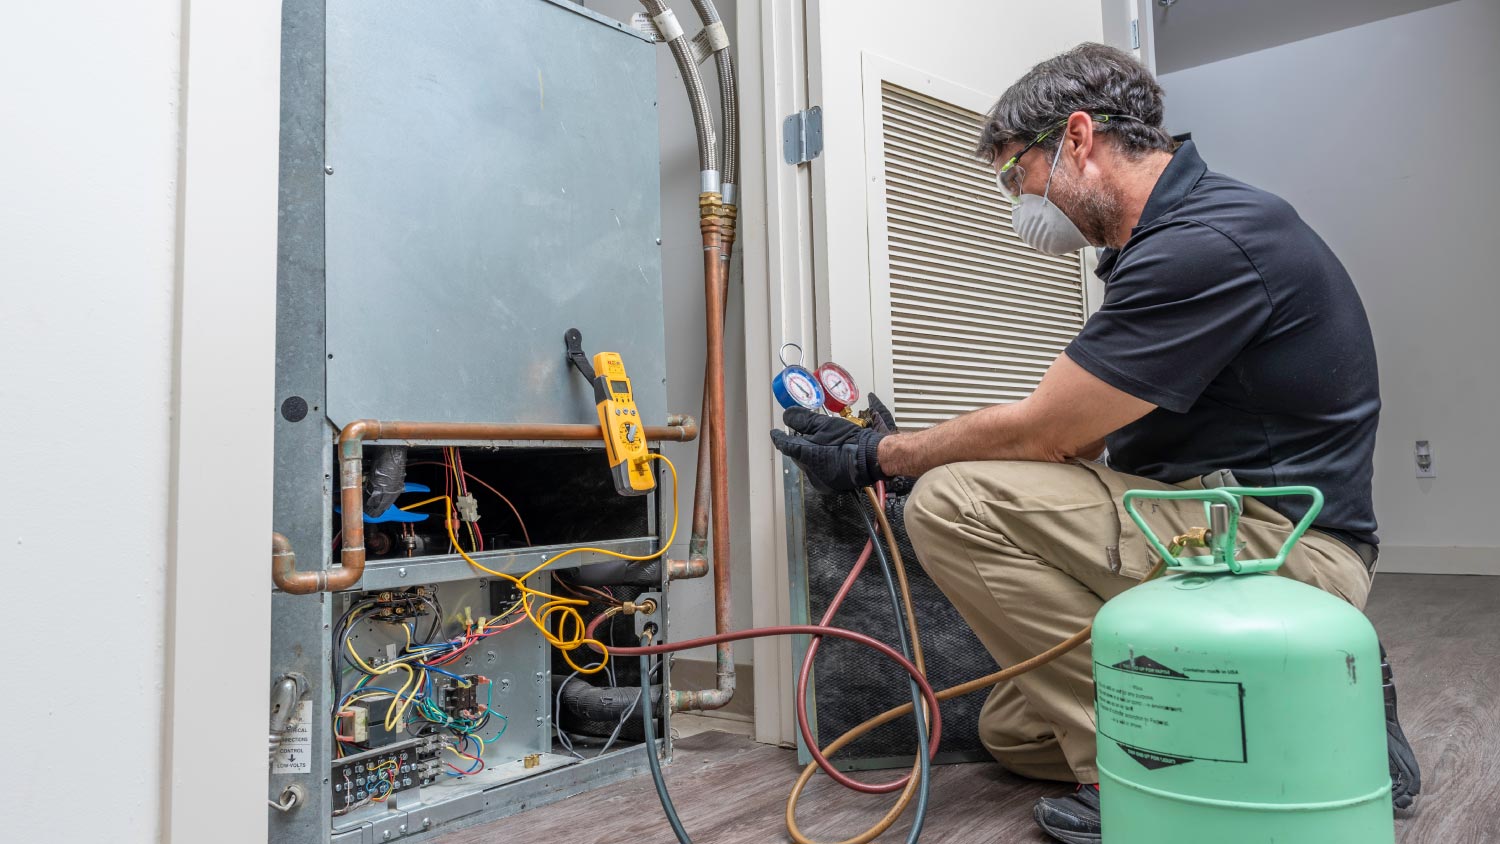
<point>779,269</point>
<point>217,556</point>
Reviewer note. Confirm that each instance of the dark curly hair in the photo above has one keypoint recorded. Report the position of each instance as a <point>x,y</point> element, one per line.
<point>1092,78</point>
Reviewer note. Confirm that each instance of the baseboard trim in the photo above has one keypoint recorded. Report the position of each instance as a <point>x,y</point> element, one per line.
<point>1439,559</point>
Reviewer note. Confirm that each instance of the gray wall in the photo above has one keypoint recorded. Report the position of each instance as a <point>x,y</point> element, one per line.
<point>682,279</point>
<point>1383,136</point>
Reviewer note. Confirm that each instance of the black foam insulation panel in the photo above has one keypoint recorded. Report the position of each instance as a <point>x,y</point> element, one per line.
<point>852,683</point>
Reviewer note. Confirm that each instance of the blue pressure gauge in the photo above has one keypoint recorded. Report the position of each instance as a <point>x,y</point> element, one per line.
<point>794,385</point>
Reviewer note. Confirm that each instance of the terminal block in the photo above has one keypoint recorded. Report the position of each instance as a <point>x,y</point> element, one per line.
<point>399,606</point>
<point>376,774</point>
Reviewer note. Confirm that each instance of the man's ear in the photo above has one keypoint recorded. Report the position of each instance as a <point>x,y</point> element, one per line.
<point>1078,138</point>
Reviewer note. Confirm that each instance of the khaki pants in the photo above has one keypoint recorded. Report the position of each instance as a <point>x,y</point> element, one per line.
<point>1028,552</point>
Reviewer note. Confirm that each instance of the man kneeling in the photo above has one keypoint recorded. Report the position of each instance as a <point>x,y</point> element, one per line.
<point>1231,348</point>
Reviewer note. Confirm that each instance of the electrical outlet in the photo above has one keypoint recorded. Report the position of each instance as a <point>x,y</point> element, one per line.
<point>1426,468</point>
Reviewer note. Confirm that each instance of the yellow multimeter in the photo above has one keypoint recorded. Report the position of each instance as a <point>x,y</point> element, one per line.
<point>624,435</point>
<point>624,432</point>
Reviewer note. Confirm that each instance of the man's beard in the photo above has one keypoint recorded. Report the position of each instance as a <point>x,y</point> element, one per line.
<point>1095,211</point>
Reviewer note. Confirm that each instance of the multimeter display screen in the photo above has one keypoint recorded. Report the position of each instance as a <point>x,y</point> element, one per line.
<point>620,386</point>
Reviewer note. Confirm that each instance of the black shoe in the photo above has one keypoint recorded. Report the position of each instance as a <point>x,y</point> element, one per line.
<point>1073,819</point>
<point>1406,775</point>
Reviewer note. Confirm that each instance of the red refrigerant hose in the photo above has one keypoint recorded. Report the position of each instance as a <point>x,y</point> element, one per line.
<point>802,630</point>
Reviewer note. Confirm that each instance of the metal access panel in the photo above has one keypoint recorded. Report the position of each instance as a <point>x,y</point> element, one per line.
<point>492,180</point>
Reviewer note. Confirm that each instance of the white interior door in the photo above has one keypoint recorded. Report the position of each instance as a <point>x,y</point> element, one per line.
<point>922,290</point>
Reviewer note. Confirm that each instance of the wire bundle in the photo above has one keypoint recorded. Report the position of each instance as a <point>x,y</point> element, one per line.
<point>567,631</point>
<point>415,701</point>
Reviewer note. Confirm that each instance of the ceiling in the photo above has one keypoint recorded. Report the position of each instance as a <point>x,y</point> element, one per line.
<point>1193,32</point>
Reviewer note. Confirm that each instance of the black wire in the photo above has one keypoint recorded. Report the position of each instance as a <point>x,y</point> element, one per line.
<point>437,615</point>
<point>919,816</point>
<point>339,631</point>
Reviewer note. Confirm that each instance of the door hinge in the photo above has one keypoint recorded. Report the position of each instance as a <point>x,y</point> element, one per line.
<point>802,136</point>
<point>1135,34</point>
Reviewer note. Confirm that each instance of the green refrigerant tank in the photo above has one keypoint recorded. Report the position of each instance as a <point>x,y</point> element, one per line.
<point>1235,706</point>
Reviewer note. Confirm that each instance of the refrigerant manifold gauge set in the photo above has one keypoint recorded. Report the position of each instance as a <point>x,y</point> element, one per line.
<point>829,388</point>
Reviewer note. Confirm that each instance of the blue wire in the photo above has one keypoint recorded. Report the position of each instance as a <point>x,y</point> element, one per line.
<point>442,672</point>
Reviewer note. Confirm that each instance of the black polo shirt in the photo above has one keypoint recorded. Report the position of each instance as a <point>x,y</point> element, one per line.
<point>1231,315</point>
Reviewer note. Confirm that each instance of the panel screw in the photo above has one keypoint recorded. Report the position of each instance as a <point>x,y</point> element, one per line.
<point>426,823</point>
<point>328,168</point>
<point>386,836</point>
<point>402,829</point>
<point>658,241</point>
<point>540,675</point>
<point>489,656</point>
<point>401,572</point>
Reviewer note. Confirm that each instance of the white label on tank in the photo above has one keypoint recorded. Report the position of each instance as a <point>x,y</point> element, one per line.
<point>294,753</point>
<point>1166,717</point>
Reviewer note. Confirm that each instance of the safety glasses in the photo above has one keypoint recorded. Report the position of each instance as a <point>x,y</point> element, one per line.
<point>1012,175</point>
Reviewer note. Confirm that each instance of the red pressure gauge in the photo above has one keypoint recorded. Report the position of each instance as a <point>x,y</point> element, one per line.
<point>839,391</point>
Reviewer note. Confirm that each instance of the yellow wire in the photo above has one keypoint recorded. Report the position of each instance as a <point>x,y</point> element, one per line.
<point>567,608</point>
<point>398,707</point>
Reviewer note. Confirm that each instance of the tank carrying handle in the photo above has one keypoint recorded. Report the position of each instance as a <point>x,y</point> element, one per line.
<point>1221,538</point>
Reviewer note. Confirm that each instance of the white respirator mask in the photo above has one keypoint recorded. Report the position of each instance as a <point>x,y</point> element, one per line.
<point>1041,224</point>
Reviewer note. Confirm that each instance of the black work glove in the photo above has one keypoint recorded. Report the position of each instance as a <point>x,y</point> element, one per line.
<point>876,415</point>
<point>836,454</point>
<point>879,417</point>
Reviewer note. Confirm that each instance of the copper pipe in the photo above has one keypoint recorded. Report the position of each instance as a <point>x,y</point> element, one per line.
<point>284,569</point>
<point>716,285</point>
<point>688,569</point>
<point>680,428</point>
<point>696,564</point>
<point>370,429</point>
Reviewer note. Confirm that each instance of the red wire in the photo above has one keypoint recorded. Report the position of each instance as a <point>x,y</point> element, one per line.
<point>478,480</point>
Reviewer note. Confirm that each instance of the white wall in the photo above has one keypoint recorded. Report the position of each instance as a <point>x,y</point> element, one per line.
<point>1383,136</point>
<point>88,223</point>
<point>692,609</point>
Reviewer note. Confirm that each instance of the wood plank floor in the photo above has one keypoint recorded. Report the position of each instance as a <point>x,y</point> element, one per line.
<point>1444,640</point>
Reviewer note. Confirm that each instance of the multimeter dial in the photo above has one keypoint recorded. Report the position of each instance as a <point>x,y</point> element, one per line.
<point>839,390</point>
<point>796,387</point>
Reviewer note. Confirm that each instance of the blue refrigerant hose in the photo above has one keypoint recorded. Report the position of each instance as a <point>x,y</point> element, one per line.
<point>919,816</point>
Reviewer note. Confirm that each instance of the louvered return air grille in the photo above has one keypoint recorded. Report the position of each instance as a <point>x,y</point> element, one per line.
<point>976,316</point>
